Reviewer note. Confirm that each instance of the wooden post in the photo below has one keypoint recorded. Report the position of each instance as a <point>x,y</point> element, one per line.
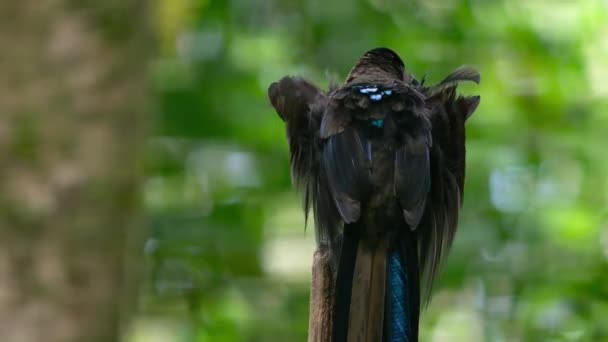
<point>321,297</point>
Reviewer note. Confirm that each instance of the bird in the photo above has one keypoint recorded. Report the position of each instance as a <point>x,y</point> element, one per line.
<point>380,161</point>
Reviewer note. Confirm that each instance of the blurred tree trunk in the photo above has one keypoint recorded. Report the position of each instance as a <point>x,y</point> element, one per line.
<point>72,89</point>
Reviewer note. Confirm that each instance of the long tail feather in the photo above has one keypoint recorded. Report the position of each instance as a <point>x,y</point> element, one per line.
<point>344,280</point>
<point>366,315</point>
<point>403,292</point>
<point>397,324</point>
<point>360,289</point>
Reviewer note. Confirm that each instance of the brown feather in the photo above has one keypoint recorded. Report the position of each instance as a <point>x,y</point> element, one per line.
<point>447,114</point>
<point>368,294</point>
<point>377,295</point>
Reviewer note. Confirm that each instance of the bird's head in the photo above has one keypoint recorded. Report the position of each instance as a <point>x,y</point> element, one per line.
<point>380,64</point>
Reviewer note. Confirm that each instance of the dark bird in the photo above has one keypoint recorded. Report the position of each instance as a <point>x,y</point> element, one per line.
<point>381,162</point>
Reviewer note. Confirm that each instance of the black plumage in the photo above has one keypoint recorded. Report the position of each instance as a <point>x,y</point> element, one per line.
<point>381,162</point>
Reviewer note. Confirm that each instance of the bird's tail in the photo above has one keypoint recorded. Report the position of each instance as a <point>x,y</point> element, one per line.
<point>377,292</point>
<point>344,282</point>
<point>402,293</point>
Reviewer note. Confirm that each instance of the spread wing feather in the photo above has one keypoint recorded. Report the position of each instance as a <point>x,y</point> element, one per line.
<point>438,225</point>
<point>301,105</point>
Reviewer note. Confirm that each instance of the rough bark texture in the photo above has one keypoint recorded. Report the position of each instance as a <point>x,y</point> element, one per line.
<point>321,297</point>
<point>72,89</point>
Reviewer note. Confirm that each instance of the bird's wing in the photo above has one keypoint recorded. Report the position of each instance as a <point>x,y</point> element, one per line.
<point>295,99</point>
<point>347,170</point>
<point>343,157</point>
<point>412,179</point>
<point>301,105</point>
<point>447,114</point>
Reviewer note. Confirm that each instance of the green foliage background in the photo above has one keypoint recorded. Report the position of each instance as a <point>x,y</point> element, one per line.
<point>228,255</point>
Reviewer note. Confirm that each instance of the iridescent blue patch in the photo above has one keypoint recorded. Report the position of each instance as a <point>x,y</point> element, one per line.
<point>368,90</point>
<point>375,94</point>
<point>378,123</point>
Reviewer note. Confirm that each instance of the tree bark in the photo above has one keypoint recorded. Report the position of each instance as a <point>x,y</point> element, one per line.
<point>72,95</point>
